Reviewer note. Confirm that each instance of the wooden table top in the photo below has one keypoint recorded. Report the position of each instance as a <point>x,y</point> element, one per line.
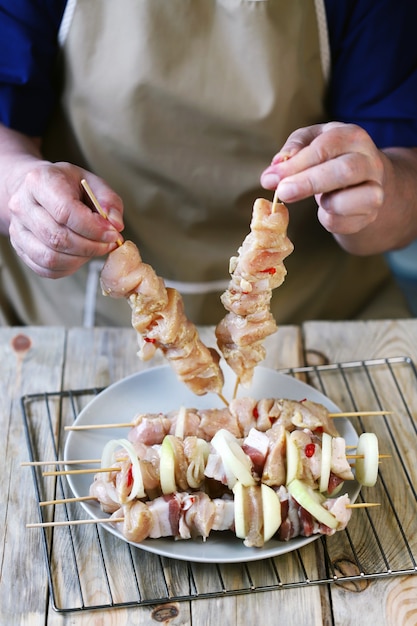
<point>39,360</point>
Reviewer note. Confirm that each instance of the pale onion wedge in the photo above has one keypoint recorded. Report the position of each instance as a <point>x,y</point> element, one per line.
<point>311,500</point>
<point>326,461</point>
<point>180,423</point>
<point>167,467</point>
<point>366,468</point>
<point>241,528</point>
<point>108,459</point>
<point>271,510</point>
<point>237,465</point>
<point>293,458</point>
<point>195,469</point>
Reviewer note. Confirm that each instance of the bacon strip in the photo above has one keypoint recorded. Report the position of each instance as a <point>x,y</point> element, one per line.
<point>255,272</point>
<point>296,521</point>
<point>158,317</point>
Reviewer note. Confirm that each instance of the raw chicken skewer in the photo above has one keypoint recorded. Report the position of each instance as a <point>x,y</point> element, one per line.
<point>186,516</point>
<point>274,458</point>
<point>133,424</point>
<point>158,316</point>
<point>255,272</point>
<point>239,417</point>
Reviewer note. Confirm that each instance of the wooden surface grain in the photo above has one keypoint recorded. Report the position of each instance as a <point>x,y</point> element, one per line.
<point>52,359</point>
<point>391,601</point>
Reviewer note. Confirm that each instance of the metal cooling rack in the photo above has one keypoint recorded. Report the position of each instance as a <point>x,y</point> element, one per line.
<point>89,568</point>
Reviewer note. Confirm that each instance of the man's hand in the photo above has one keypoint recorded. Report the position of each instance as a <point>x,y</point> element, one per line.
<point>337,163</point>
<point>366,197</point>
<point>52,227</point>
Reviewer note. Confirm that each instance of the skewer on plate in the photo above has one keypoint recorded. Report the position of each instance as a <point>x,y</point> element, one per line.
<point>117,520</point>
<point>94,470</point>
<point>67,500</point>
<point>103,470</point>
<point>59,462</point>
<point>132,424</point>
<point>357,505</point>
<point>76,522</point>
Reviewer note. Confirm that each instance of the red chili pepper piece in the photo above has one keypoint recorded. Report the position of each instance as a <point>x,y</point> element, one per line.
<point>149,339</point>
<point>255,413</point>
<point>309,450</point>
<point>129,477</point>
<point>269,270</point>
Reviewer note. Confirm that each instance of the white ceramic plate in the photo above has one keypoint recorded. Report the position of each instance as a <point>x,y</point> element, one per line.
<point>158,390</point>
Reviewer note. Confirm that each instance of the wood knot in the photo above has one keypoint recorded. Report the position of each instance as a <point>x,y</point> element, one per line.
<point>21,343</point>
<point>343,569</point>
<point>165,612</point>
<point>315,357</point>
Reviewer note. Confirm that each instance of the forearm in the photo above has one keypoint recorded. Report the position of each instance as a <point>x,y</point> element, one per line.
<point>396,223</point>
<point>18,154</point>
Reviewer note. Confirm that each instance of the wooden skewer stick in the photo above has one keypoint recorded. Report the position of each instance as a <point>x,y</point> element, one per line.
<point>67,500</point>
<point>362,505</point>
<point>237,383</point>
<point>76,522</point>
<point>275,201</point>
<point>359,413</point>
<point>96,203</point>
<point>57,462</point>
<point>98,426</point>
<point>223,399</point>
<point>362,456</point>
<point>96,470</point>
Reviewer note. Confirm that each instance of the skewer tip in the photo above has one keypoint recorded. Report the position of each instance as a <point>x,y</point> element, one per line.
<point>96,204</point>
<point>362,505</point>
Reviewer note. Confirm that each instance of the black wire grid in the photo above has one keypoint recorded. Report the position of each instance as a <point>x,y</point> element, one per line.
<point>89,568</point>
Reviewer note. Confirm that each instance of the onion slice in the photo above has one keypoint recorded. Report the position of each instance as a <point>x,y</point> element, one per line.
<point>367,467</point>
<point>180,423</point>
<point>326,461</point>
<point>311,501</point>
<point>237,465</point>
<point>107,460</point>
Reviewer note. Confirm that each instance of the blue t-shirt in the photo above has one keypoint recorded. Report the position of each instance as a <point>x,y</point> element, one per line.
<point>373,77</point>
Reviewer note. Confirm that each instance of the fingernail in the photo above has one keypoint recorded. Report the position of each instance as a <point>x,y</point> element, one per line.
<point>269,180</point>
<point>111,236</point>
<point>287,191</point>
<point>280,158</point>
<point>115,218</point>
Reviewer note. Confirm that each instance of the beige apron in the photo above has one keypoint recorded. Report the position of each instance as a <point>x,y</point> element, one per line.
<point>180,105</point>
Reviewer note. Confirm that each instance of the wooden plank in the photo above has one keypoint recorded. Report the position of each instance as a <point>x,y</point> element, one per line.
<point>31,360</point>
<point>335,342</point>
<point>389,600</point>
